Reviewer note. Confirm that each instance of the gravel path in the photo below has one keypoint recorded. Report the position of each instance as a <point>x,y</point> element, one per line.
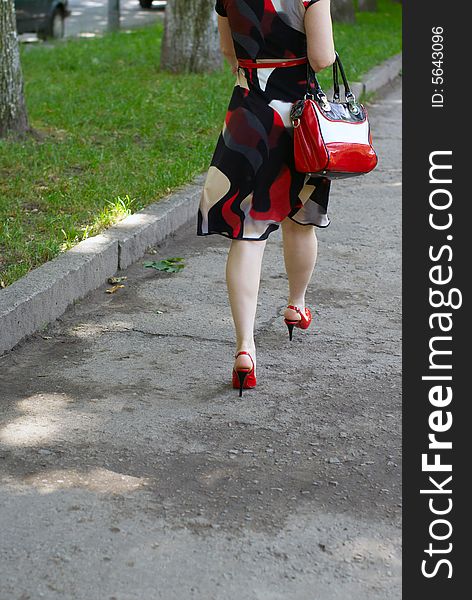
<point>132,471</point>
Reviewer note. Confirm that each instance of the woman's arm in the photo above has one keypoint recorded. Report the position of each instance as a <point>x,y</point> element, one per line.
<point>319,35</point>
<point>226,42</point>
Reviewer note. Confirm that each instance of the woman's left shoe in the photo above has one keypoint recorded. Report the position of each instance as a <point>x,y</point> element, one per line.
<point>302,323</point>
<point>244,377</point>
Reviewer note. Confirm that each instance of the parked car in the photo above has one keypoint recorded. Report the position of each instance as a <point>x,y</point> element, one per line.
<point>44,17</point>
<point>148,4</point>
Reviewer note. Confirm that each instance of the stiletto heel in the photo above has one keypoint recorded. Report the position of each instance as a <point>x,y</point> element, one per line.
<point>290,326</point>
<point>244,377</point>
<point>302,323</point>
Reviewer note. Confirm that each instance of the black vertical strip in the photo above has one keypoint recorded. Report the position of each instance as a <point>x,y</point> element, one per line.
<point>428,128</point>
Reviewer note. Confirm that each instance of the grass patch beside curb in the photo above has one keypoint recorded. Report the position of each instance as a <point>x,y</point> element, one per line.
<point>119,134</point>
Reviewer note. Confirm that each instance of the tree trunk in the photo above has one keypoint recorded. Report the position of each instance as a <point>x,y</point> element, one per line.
<point>113,15</point>
<point>13,116</point>
<point>191,42</point>
<point>343,11</point>
<point>367,5</point>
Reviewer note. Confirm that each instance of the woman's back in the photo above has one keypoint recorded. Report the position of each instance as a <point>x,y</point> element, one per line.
<point>252,184</point>
<point>266,29</point>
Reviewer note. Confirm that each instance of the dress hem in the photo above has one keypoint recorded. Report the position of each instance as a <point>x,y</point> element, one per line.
<point>314,224</point>
<point>263,236</point>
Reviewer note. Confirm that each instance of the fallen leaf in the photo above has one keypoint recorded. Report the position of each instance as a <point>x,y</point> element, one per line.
<point>115,280</point>
<point>114,289</point>
<point>168,265</point>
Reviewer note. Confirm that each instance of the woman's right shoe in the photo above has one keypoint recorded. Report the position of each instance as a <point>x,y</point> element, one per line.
<point>244,377</point>
<point>302,323</point>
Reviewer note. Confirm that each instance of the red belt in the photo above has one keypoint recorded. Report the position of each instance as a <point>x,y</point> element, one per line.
<point>252,64</point>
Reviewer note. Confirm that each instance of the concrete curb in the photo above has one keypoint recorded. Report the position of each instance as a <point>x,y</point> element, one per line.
<point>383,74</point>
<point>153,224</point>
<point>376,78</point>
<point>44,294</point>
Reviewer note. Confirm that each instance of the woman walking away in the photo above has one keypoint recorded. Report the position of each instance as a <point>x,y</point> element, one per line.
<point>252,186</point>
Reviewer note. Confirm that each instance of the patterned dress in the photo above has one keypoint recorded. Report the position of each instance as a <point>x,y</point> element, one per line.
<point>252,184</point>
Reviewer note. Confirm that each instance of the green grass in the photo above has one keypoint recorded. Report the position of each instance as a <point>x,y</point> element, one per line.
<point>373,38</point>
<point>118,133</point>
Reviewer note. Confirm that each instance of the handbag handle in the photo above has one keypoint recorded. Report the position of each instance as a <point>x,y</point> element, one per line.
<point>314,89</point>
<point>336,93</point>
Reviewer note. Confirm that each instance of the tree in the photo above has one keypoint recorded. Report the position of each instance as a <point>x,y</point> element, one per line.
<point>191,41</point>
<point>113,15</point>
<point>367,5</point>
<point>343,11</point>
<point>13,115</point>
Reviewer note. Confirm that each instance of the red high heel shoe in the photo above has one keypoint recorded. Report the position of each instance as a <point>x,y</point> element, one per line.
<point>243,377</point>
<point>302,323</point>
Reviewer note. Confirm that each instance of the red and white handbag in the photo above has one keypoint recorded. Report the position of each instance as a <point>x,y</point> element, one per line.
<point>331,139</point>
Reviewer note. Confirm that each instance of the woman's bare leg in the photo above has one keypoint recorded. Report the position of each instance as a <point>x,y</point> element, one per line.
<point>243,273</point>
<point>300,253</point>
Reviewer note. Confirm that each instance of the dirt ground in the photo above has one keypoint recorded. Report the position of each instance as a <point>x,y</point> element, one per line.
<point>130,468</point>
